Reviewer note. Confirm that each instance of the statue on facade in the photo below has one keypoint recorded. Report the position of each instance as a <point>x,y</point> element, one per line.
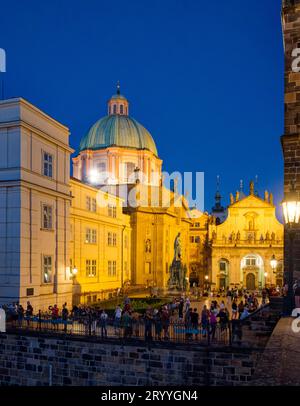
<point>177,248</point>
<point>231,198</point>
<point>251,187</point>
<point>238,236</point>
<point>148,245</point>
<point>237,196</point>
<point>266,196</point>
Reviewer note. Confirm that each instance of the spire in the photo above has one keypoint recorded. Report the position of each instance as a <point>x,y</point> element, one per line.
<point>218,206</point>
<point>241,185</point>
<point>251,187</point>
<point>118,87</point>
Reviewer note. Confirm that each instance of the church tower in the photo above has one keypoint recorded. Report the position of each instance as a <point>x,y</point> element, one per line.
<point>290,140</point>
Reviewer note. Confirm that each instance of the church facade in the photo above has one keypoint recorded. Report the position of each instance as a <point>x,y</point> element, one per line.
<point>243,246</point>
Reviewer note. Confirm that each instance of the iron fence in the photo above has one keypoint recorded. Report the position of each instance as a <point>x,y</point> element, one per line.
<point>176,331</point>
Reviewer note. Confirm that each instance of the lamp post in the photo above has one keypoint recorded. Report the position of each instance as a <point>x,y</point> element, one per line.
<point>273,263</point>
<point>291,212</point>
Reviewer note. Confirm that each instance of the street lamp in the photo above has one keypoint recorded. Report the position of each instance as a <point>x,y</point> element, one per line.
<point>291,212</point>
<point>273,263</point>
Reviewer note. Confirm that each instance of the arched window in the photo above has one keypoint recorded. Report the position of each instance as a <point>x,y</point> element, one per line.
<point>121,109</point>
<point>115,109</point>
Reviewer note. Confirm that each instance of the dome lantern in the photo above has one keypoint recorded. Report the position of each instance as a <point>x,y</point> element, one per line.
<point>118,104</point>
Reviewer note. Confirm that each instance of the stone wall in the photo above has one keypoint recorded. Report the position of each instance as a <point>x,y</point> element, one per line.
<point>27,360</point>
<point>291,138</point>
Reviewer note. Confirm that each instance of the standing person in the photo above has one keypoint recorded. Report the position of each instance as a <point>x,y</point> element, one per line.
<point>240,308</point>
<point>103,323</point>
<point>213,324</point>
<point>64,316</point>
<point>157,324</point>
<point>165,319</point>
<point>148,324</point>
<point>264,296</point>
<point>223,316</point>
<point>195,322</point>
<point>20,315</point>
<point>180,308</point>
<point>234,308</point>
<point>228,298</point>
<point>117,320</point>
<point>127,324</point>
<point>135,319</point>
<point>29,312</point>
<point>54,316</point>
<point>204,320</point>
<point>187,305</point>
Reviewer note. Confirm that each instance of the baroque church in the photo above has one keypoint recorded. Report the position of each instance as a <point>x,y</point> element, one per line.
<point>113,224</point>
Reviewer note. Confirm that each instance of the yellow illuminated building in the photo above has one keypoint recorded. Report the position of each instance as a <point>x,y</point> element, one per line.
<point>100,243</point>
<point>243,245</point>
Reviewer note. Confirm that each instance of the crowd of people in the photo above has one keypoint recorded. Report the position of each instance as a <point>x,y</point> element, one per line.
<point>153,323</point>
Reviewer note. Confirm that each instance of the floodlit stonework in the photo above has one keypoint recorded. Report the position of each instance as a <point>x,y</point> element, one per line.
<point>114,224</point>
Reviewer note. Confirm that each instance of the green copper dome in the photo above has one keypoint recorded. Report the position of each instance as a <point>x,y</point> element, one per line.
<point>118,130</point>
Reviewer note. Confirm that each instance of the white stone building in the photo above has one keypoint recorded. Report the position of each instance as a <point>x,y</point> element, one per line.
<point>34,206</point>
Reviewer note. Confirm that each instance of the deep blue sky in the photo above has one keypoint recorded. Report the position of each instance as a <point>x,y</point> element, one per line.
<point>204,77</point>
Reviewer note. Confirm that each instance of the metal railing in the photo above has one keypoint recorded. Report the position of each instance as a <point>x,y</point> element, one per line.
<point>174,331</point>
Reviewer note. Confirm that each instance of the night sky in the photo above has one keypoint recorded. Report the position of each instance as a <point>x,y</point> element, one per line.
<point>204,77</point>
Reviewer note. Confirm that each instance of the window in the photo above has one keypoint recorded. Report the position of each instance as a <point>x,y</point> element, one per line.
<point>94,205</point>
<point>115,109</point>
<point>250,261</point>
<point>91,268</point>
<point>197,225</point>
<point>88,203</point>
<point>223,266</point>
<point>91,236</point>
<point>91,204</point>
<point>112,239</point>
<point>192,239</point>
<point>47,217</point>
<point>121,109</point>
<point>112,268</point>
<point>197,239</point>
<point>47,164</point>
<point>47,269</point>
<point>112,211</point>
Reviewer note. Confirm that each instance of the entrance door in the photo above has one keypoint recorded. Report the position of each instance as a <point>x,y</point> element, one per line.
<point>250,281</point>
